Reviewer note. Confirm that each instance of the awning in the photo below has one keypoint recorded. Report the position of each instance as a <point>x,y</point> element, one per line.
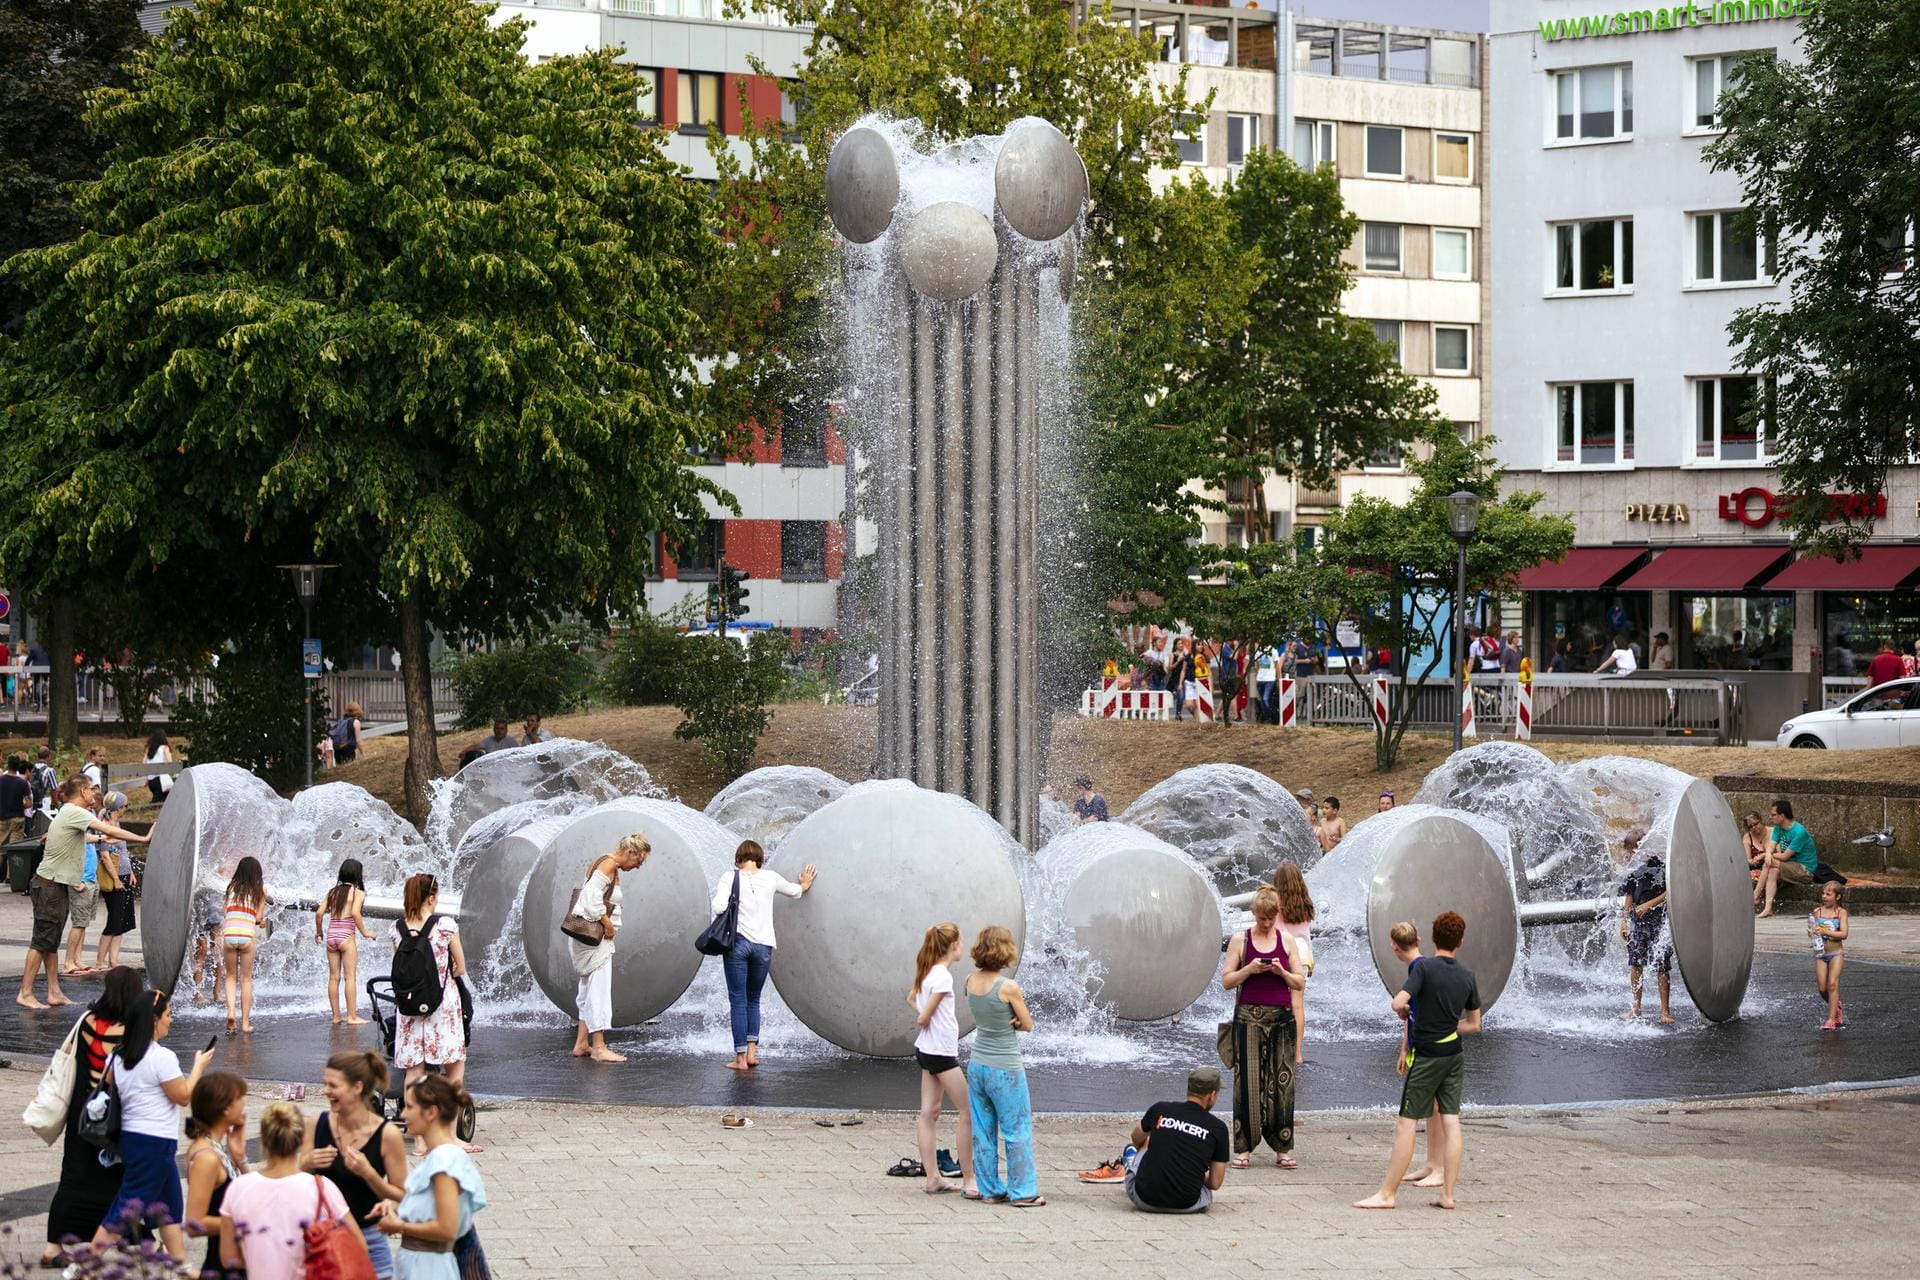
<point>1706,569</point>
<point>1584,569</point>
<point>1875,569</point>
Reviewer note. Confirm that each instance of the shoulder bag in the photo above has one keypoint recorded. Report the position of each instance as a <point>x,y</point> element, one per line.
<point>46,1115</point>
<point>334,1251</point>
<point>717,938</point>
<point>589,933</point>
<point>99,1121</point>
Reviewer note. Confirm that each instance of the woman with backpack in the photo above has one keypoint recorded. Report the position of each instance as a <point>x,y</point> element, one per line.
<point>427,963</point>
<point>599,903</point>
<point>346,735</point>
<point>86,1186</point>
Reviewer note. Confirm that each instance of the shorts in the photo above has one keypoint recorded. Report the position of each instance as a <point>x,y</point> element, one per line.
<point>1432,1081</point>
<point>1644,942</point>
<point>1792,872</point>
<point>937,1064</point>
<point>82,901</point>
<point>49,915</point>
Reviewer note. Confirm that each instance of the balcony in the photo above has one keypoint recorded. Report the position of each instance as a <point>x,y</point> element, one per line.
<point>1202,35</point>
<point>705,10</point>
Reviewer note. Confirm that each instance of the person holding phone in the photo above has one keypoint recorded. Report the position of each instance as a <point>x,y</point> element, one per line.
<point>1259,1042</point>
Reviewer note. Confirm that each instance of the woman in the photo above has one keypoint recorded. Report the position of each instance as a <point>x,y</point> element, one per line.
<point>996,1079</point>
<point>352,1146</point>
<point>442,1194</point>
<point>346,735</point>
<point>267,1212</point>
<point>1180,675</point>
<point>1296,926</point>
<point>1561,663</point>
<point>152,1091</point>
<point>1755,839</point>
<point>115,870</point>
<point>936,1049</point>
<point>86,1186</point>
<point>751,955</point>
<point>159,751</point>
<point>600,900</point>
<point>1260,1037</point>
<point>216,1155</point>
<point>439,1037</point>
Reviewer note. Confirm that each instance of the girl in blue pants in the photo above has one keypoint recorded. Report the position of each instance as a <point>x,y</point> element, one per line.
<point>996,1080</point>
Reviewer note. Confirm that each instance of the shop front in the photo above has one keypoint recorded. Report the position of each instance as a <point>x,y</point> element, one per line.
<point>1575,610</point>
<point>1861,604</point>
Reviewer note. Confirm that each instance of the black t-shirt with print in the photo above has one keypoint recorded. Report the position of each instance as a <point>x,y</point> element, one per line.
<point>1184,1142</point>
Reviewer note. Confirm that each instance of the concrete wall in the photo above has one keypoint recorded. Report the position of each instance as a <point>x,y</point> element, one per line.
<point>1834,812</point>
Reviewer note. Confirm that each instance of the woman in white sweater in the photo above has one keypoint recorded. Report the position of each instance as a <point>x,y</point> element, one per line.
<point>600,900</point>
<point>751,955</point>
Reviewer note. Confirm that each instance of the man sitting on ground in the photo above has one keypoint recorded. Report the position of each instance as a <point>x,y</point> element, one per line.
<point>1791,858</point>
<point>499,739</point>
<point>1180,1152</point>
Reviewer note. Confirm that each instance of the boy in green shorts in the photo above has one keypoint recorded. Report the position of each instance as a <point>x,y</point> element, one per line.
<point>1444,1001</point>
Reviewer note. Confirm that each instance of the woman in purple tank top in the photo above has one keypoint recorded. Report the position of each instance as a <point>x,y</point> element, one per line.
<point>1258,1043</point>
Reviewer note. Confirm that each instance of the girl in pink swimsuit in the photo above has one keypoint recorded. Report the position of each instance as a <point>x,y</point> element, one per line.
<point>338,924</point>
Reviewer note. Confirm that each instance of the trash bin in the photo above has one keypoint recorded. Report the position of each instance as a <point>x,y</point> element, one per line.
<point>23,859</point>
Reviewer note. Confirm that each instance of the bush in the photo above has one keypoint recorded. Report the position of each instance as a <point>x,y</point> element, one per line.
<point>515,682</point>
<point>723,690</point>
<point>255,717</point>
<point>641,670</point>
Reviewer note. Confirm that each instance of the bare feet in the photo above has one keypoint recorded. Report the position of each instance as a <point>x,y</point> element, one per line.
<point>1441,1202</point>
<point>1764,914</point>
<point>201,1000</point>
<point>1434,1179</point>
<point>336,1019</point>
<point>1414,1177</point>
<point>1666,1018</point>
<point>738,1064</point>
<point>1629,1015</point>
<point>581,1051</point>
<point>608,1055</point>
<point>356,1022</point>
<point>28,1002</point>
<point>1373,1202</point>
<point>55,1000</point>
<point>246,1028</point>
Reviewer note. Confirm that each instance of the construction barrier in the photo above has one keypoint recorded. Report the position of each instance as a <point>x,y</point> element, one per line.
<point>1523,711</point>
<point>1466,709</point>
<point>1289,702</point>
<point>1110,702</point>
<point>1380,702</point>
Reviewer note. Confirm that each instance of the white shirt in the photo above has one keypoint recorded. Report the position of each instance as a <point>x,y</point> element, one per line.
<point>1623,661</point>
<point>145,1107</point>
<point>1265,664</point>
<point>941,1036</point>
<point>96,773</point>
<point>756,901</point>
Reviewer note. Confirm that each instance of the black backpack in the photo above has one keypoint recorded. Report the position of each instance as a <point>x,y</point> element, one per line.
<point>418,987</point>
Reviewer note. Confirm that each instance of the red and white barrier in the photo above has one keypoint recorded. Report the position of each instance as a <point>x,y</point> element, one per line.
<point>1523,711</point>
<point>1380,702</point>
<point>1289,702</point>
<point>1466,709</point>
<point>1110,702</point>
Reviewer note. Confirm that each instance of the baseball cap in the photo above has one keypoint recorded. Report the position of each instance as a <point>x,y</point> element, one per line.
<point>1304,793</point>
<point>1203,1080</point>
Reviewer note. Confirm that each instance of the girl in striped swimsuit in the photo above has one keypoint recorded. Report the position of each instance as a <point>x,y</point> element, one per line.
<point>245,910</point>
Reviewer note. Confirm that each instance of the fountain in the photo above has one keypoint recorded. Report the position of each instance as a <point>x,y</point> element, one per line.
<point>764,804</point>
<point>1238,824</point>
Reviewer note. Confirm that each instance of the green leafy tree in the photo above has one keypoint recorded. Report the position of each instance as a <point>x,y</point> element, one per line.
<point>360,283</point>
<point>515,681</point>
<point>643,664</point>
<point>724,691</point>
<point>1825,148</point>
<point>254,714</point>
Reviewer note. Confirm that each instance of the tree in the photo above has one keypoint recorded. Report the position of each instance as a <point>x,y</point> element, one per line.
<point>724,690</point>
<point>1825,150</point>
<point>544,677</point>
<point>361,284</point>
<point>255,714</point>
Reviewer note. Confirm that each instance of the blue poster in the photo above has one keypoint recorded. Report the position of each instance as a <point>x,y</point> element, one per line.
<point>310,657</point>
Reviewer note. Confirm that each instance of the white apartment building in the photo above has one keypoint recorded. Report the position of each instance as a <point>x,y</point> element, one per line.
<point>1620,260</point>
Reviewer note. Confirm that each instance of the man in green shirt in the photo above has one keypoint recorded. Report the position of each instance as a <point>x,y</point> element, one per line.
<point>1790,857</point>
<point>62,867</point>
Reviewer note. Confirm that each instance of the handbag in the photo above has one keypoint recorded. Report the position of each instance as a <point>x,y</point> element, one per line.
<point>717,938</point>
<point>335,1250</point>
<point>588,933</point>
<point>99,1120</point>
<point>46,1115</point>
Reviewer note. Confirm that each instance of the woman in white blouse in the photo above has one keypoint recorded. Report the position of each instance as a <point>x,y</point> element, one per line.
<point>600,900</point>
<point>751,955</point>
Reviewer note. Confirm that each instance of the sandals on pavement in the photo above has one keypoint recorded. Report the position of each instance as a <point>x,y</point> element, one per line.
<point>906,1168</point>
<point>1241,1162</point>
<point>733,1121</point>
<point>1031,1202</point>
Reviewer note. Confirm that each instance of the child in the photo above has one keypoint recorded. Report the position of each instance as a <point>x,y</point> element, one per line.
<point>1643,927</point>
<point>116,888</point>
<point>1296,922</point>
<point>245,908</point>
<point>1827,925</point>
<point>1406,946</point>
<point>937,1050</point>
<point>338,924</point>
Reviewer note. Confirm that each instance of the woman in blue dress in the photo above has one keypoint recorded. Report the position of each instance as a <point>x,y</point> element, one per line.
<point>444,1191</point>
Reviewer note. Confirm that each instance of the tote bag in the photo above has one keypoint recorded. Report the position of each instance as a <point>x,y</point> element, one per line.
<point>46,1115</point>
<point>717,938</point>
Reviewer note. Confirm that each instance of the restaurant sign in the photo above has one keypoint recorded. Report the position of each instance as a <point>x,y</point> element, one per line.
<point>1756,508</point>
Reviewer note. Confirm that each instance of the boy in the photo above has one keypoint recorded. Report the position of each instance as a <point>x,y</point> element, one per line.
<point>1406,947</point>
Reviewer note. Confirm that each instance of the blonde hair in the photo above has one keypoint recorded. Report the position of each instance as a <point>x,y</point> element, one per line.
<point>939,940</point>
<point>1404,934</point>
<point>993,948</point>
<point>1266,902</point>
<point>1296,904</point>
<point>635,843</point>
<point>281,1129</point>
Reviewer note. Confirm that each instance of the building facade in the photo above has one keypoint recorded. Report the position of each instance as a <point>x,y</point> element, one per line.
<point>1620,260</point>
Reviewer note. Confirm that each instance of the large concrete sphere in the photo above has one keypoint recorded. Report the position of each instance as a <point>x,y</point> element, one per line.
<point>344,821</point>
<point>949,251</point>
<point>664,904</point>
<point>546,770</point>
<point>492,880</point>
<point>1039,181</point>
<point>1710,905</point>
<point>1143,913</point>
<point>893,860</point>
<point>1238,824</point>
<point>1555,836</point>
<point>1435,862</point>
<point>765,804</point>
<point>863,184</point>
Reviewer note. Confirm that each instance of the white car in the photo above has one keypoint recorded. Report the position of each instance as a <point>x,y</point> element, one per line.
<point>1886,715</point>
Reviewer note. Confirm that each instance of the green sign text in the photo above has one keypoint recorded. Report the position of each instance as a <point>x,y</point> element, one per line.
<point>1632,21</point>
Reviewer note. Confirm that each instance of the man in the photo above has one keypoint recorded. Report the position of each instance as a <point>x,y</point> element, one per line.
<point>1790,858</point>
<point>1386,801</point>
<point>1181,1152</point>
<point>1266,689</point>
<point>16,800</point>
<point>499,739</point>
<point>61,869</point>
<point>1885,665</point>
<point>1227,664</point>
<point>1307,806</point>
<point>1643,927</point>
<point>96,768</point>
<point>1156,656</point>
<point>1333,827</point>
<point>1445,1001</point>
<point>1510,654</point>
<point>533,732</point>
<point>1088,805</point>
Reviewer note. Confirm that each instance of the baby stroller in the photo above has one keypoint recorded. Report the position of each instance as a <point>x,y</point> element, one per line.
<point>386,1016</point>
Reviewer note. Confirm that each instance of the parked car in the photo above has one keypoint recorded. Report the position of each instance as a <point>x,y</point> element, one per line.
<point>1886,715</point>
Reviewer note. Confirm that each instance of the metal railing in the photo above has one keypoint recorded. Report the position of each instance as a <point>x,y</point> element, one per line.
<point>1835,690</point>
<point>381,695</point>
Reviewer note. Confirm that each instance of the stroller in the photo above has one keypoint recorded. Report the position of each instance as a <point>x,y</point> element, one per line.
<point>386,1016</point>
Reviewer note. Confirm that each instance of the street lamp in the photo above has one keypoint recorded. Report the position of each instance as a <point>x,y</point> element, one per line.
<point>306,586</point>
<point>1463,517</point>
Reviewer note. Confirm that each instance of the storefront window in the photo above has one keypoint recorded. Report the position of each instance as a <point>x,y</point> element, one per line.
<point>1853,628</point>
<point>1588,621</point>
<point>1737,633</point>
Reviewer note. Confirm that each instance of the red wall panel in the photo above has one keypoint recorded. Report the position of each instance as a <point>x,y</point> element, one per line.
<point>836,549</point>
<point>669,104</point>
<point>754,545</point>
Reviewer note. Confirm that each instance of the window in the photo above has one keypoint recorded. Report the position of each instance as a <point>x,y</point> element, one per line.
<point>789,104</point>
<point>1452,253</point>
<point>1895,249</point>
<point>1387,334</point>
<point>1452,349</point>
<point>1190,132</point>
<point>647,101</point>
<point>1390,456</point>
<point>1722,431</point>
<point>803,550</point>
<point>1593,104</point>
<point>802,439</point>
<point>1386,152</point>
<point>699,101</point>
<point>699,556</point>
<point>1729,249</point>
<point>1243,135</point>
<point>1453,157</point>
<point>1360,54</point>
<point>1711,78</point>
<point>1593,423</point>
<point>1313,142</point>
<point>1593,257</point>
<point>1382,241</point>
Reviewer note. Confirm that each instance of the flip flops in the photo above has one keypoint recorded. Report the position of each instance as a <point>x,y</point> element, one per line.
<point>906,1168</point>
<point>734,1121</point>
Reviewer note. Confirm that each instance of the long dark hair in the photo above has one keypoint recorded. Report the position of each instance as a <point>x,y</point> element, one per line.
<point>350,879</point>
<point>140,1021</point>
<point>119,994</point>
<point>249,883</point>
<point>156,740</point>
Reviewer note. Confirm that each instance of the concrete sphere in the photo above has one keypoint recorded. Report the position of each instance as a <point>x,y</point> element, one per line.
<point>492,880</point>
<point>347,821</point>
<point>863,184</point>
<point>765,804</point>
<point>1710,905</point>
<point>949,251</point>
<point>545,770</point>
<point>664,904</point>
<point>1238,824</point>
<point>1429,862</point>
<point>1039,181</point>
<point>893,860</point>
<point>1555,836</point>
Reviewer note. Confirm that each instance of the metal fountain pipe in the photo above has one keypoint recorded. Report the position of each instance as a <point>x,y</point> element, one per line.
<point>1567,911</point>
<point>378,906</point>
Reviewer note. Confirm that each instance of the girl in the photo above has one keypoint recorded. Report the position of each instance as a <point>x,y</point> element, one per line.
<point>439,1037</point>
<point>1296,921</point>
<point>338,924</point>
<point>996,1081</point>
<point>1827,925</point>
<point>216,1155</point>
<point>267,1212</point>
<point>352,1145</point>
<point>937,1050</point>
<point>116,889</point>
<point>442,1194</point>
<point>1261,973</point>
<point>245,908</point>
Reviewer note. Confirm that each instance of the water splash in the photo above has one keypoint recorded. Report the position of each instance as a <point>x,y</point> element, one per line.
<point>1238,824</point>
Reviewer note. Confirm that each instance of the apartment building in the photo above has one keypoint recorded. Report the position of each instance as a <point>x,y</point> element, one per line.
<point>1621,259</point>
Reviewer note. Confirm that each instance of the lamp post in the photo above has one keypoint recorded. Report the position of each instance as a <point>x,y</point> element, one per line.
<point>306,586</point>
<point>1463,517</point>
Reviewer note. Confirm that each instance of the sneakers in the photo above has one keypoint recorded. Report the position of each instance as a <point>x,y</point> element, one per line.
<point>1108,1171</point>
<point>949,1167</point>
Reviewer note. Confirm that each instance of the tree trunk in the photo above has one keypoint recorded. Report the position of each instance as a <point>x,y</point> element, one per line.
<point>63,711</point>
<point>416,675</point>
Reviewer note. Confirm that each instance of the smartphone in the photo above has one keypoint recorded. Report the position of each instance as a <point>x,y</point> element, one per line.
<point>212,1040</point>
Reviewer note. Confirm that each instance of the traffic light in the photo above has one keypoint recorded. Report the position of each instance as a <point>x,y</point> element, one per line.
<point>733,591</point>
<point>713,602</point>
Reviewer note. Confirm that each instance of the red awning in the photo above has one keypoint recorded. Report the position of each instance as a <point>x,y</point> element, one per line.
<point>1584,569</point>
<point>1875,569</point>
<point>1706,569</point>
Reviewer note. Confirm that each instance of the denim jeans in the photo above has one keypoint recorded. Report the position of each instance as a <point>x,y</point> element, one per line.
<point>746,964</point>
